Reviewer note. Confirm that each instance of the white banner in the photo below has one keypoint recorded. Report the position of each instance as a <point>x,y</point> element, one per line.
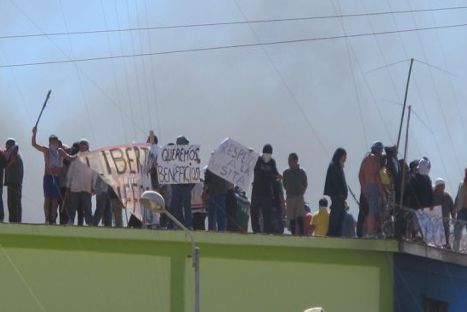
<point>234,162</point>
<point>178,164</point>
<point>125,169</point>
<point>431,225</point>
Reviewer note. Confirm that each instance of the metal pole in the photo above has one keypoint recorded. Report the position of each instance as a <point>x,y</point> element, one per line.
<point>195,252</point>
<point>405,103</point>
<point>197,288</point>
<point>405,157</point>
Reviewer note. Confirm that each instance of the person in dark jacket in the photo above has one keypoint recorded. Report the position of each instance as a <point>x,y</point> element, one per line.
<point>2,169</point>
<point>216,189</point>
<point>14,180</point>
<point>336,188</point>
<point>418,194</point>
<point>262,194</point>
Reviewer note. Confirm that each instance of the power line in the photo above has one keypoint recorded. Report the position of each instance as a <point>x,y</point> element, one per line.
<point>259,21</point>
<point>245,45</point>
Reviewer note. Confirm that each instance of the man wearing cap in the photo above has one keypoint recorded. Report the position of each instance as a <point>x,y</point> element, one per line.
<point>443,199</point>
<point>53,157</point>
<point>265,173</point>
<point>372,187</point>
<point>81,181</point>
<point>14,172</point>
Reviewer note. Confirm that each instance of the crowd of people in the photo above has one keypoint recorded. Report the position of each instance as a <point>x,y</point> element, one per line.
<point>391,190</point>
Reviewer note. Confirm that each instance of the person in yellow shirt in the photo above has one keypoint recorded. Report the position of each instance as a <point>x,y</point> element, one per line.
<point>320,220</point>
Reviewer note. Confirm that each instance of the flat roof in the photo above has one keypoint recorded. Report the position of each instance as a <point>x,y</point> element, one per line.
<point>380,245</point>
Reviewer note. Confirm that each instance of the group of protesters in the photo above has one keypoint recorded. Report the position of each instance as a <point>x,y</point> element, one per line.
<point>391,190</point>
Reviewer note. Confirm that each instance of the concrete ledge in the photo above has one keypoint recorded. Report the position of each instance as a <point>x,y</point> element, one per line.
<point>200,237</point>
<point>433,253</point>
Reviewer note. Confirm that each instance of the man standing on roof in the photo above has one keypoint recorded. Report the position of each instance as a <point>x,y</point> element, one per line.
<point>53,157</point>
<point>81,181</point>
<point>370,183</point>
<point>336,188</point>
<point>2,170</point>
<point>14,172</point>
<point>181,197</point>
<point>443,199</point>
<point>295,184</point>
<point>461,210</point>
<point>262,194</point>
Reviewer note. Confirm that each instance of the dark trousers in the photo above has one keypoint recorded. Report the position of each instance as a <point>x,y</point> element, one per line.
<point>14,202</point>
<point>181,205</point>
<point>2,211</point>
<point>336,217</point>
<point>261,206</point>
<point>63,205</point>
<point>362,214</point>
<point>103,210</point>
<point>297,223</point>
<point>199,221</point>
<point>231,211</point>
<point>216,213</point>
<point>80,201</point>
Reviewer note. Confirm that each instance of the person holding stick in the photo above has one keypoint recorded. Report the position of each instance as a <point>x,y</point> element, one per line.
<point>53,157</point>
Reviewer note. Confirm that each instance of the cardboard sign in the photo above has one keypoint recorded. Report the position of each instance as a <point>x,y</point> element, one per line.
<point>234,162</point>
<point>178,164</point>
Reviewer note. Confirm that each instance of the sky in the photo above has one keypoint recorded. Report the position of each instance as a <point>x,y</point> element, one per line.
<point>258,71</point>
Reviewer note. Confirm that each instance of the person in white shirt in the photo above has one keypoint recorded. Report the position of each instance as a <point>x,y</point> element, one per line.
<point>81,181</point>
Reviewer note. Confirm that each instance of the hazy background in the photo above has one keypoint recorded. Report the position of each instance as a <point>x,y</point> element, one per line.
<point>308,97</point>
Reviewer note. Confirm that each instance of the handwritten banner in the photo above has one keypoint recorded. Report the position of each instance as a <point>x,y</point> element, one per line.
<point>178,164</point>
<point>234,162</point>
<point>125,169</point>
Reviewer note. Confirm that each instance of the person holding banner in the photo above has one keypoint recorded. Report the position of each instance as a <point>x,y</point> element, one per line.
<point>181,197</point>
<point>216,189</point>
<point>53,156</point>
<point>262,195</point>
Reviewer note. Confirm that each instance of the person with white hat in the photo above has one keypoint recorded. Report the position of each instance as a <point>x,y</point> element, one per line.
<point>443,199</point>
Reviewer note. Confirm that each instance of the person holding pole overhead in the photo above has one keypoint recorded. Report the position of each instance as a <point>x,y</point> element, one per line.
<point>53,157</point>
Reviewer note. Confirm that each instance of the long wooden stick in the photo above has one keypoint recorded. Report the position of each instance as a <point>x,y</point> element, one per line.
<point>43,107</point>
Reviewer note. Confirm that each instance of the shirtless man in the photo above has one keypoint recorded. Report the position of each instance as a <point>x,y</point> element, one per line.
<point>53,157</point>
<point>372,187</point>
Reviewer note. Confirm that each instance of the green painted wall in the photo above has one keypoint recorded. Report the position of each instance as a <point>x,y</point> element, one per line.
<point>48,268</point>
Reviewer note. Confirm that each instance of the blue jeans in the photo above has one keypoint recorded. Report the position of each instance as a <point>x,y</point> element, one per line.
<point>181,205</point>
<point>216,213</point>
